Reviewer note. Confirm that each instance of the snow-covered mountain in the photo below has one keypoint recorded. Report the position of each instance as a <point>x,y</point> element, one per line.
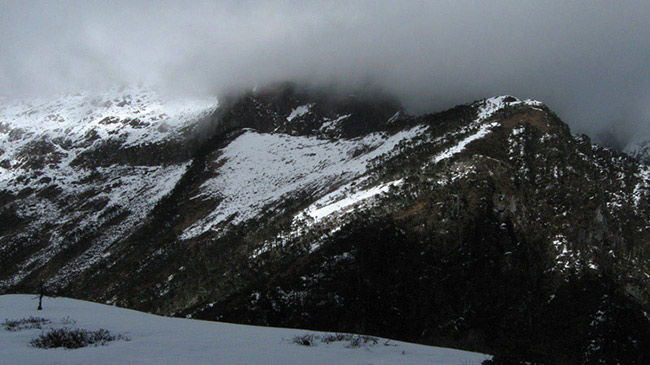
<point>88,162</point>
<point>488,227</point>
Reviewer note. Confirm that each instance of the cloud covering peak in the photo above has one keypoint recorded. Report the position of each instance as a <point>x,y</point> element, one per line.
<point>587,61</point>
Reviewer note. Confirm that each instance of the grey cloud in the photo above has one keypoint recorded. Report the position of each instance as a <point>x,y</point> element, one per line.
<point>588,61</point>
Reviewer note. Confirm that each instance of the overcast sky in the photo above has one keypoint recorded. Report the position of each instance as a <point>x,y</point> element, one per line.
<point>589,61</point>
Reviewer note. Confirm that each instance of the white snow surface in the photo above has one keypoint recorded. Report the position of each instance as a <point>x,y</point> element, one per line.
<point>317,213</point>
<point>162,340</point>
<point>259,169</point>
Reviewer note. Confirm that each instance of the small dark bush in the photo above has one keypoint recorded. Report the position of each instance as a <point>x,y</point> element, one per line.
<point>24,323</point>
<point>305,340</point>
<point>338,337</point>
<point>74,338</point>
<point>67,321</point>
<point>358,341</point>
<point>309,339</point>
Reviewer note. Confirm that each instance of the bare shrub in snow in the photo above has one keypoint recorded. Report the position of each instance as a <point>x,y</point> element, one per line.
<point>305,340</point>
<point>24,323</point>
<point>67,321</point>
<point>358,341</point>
<point>338,337</point>
<point>74,338</point>
<point>309,339</point>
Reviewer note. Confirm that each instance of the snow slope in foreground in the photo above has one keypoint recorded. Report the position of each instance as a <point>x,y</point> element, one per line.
<point>161,340</point>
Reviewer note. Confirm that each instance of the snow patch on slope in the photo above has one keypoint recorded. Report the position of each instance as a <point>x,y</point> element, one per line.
<point>333,202</point>
<point>299,111</point>
<point>331,124</point>
<point>259,169</point>
<point>460,146</point>
<point>643,186</point>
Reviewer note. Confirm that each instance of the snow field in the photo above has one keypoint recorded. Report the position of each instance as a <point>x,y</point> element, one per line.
<point>161,340</point>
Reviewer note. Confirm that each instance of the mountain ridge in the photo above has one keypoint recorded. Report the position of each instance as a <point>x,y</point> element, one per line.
<point>291,211</point>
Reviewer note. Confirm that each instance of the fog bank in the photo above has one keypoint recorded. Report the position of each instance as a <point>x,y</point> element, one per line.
<point>587,61</point>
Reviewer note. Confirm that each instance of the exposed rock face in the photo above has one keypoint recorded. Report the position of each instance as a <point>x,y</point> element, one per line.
<point>297,111</point>
<point>488,226</point>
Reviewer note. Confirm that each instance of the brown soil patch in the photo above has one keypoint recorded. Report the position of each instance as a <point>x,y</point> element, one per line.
<point>533,117</point>
<point>416,209</point>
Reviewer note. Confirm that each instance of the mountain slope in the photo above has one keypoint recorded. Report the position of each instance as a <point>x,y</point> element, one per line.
<point>82,170</point>
<point>537,233</point>
<point>487,227</point>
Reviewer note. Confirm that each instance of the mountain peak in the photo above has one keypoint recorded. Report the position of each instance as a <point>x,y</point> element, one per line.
<point>302,110</point>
